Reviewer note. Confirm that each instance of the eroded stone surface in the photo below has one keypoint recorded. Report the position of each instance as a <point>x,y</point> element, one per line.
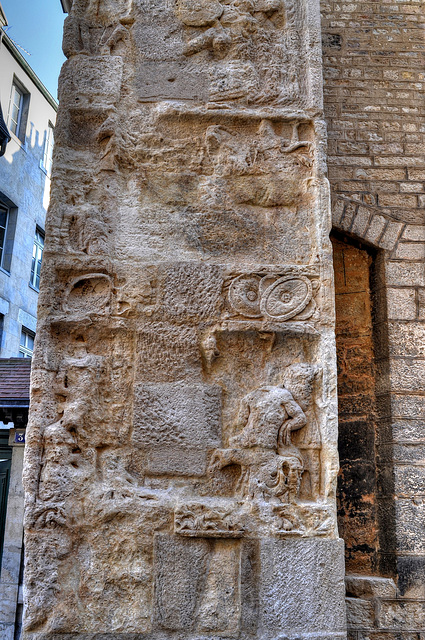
<point>181,458</point>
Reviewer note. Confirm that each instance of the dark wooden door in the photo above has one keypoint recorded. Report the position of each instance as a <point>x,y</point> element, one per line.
<point>4,487</point>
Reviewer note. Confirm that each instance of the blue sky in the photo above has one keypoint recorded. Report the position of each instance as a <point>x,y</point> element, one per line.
<point>36,25</point>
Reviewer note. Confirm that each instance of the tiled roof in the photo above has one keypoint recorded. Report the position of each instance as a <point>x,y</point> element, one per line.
<point>15,381</point>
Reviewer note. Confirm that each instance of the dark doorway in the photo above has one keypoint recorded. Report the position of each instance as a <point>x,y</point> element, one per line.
<point>365,499</point>
<point>5,463</point>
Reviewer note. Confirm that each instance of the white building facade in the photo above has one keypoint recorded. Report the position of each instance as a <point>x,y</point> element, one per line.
<point>29,113</point>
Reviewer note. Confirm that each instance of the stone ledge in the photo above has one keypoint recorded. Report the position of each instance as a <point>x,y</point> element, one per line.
<point>370,587</point>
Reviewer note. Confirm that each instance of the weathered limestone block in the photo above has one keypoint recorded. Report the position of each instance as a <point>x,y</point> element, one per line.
<point>88,80</point>
<point>182,449</point>
<point>177,425</point>
<point>299,571</point>
<point>197,585</point>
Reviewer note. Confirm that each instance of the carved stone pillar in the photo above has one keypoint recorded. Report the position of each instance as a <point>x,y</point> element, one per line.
<point>182,451</point>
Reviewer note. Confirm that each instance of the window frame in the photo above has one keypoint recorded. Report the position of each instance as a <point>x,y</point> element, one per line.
<point>36,245</point>
<point>21,126</point>
<point>2,248</point>
<point>7,251</point>
<point>24,350</point>
<point>12,128</point>
<point>47,159</point>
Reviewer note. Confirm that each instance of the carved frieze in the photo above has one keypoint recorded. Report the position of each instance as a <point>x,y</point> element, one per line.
<point>303,520</point>
<point>204,521</point>
<point>265,299</point>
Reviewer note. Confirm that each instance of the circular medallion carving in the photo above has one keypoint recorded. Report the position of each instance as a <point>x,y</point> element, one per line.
<point>244,295</point>
<point>286,297</point>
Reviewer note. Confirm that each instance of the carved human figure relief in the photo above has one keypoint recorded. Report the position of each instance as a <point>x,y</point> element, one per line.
<point>65,465</point>
<point>301,378</point>
<point>271,464</point>
<point>88,231</point>
<point>267,417</point>
<point>78,384</point>
<point>84,34</point>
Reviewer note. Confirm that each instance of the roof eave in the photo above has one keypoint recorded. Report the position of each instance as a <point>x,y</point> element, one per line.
<point>3,20</point>
<point>14,403</point>
<point>66,5</point>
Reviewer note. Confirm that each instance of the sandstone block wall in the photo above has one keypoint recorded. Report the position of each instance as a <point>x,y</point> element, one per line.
<point>181,458</point>
<point>374,104</point>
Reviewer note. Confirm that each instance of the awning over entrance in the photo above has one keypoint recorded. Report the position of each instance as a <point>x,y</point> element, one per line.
<point>15,390</point>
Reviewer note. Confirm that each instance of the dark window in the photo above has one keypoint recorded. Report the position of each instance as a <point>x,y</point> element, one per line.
<point>16,108</point>
<point>1,329</point>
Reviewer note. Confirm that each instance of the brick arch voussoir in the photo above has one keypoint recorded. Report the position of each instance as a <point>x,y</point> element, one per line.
<point>367,223</point>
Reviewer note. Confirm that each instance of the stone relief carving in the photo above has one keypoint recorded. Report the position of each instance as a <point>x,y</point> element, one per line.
<point>93,289</point>
<point>267,171</point>
<point>202,520</point>
<point>74,450</point>
<point>277,442</point>
<point>302,520</point>
<point>250,41</point>
<point>83,34</point>
<point>242,183</point>
<point>221,174</point>
<point>65,465</point>
<point>300,378</point>
<point>271,465</point>
<point>88,232</point>
<point>272,297</point>
<point>181,427</point>
<point>135,296</point>
<point>278,158</point>
<point>265,298</point>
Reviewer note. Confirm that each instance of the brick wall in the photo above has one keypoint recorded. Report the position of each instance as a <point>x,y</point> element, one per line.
<point>374,69</point>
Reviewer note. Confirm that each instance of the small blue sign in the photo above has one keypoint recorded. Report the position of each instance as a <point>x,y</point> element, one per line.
<point>19,437</point>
